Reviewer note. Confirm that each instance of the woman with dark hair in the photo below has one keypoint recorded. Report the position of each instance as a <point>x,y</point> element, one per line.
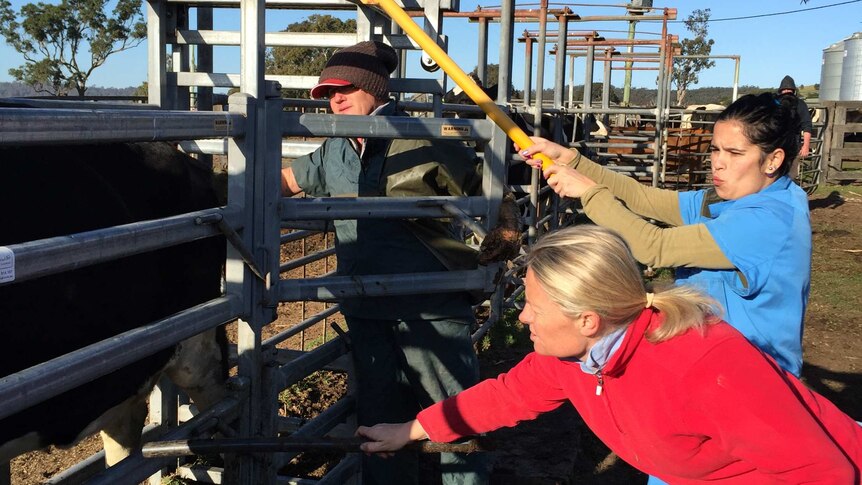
<point>746,242</point>
<point>656,375</point>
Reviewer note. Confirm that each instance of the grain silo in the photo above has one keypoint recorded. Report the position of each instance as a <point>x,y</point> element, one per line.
<point>830,72</point>
<point>851,69</point>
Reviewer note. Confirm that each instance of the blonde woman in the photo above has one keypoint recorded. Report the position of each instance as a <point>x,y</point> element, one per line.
<point>660,379</point>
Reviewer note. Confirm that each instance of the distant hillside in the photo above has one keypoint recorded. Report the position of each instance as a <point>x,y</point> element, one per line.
<point>15,90</point>
<point>646,97</point>
<point>639,96</point>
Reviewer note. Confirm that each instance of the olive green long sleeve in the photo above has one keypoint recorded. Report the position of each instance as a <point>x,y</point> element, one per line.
<point>650,202</point>
<point>689,245</point>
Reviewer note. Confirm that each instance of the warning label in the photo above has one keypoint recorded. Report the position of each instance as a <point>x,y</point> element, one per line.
<point>222,125</point>
<point>449,130</point>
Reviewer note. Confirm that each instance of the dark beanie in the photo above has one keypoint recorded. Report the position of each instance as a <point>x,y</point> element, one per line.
<point>366,65</point>
<point>787,83</point>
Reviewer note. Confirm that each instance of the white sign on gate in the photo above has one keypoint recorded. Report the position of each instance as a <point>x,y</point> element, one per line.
<point>7,265</point>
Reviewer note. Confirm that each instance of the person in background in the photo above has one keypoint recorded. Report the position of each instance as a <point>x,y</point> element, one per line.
<point>413,350</point>
<point>788,88</point>
<point>746,241</point>
<point>656,375</point>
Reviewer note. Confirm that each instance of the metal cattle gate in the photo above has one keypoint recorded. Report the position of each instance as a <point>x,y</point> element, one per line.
<point>257,131</point>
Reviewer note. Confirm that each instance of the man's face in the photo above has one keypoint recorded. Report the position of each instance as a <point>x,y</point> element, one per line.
<point>350,100</point>
<point>786,91</point>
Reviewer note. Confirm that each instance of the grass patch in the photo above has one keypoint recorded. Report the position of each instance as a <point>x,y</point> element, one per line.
<point>508,333</point>
<point>313,394</point>
<point>844,190</point>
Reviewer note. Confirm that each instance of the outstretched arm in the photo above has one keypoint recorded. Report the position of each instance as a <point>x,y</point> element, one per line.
<point>527,390</point>
<point>620,203</point>
<point>690,245</point>
<point>574,174</point>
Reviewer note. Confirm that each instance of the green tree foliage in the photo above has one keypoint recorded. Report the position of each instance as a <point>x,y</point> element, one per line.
<point>492,74</point>
<point>305,61</point>
<point>685,71</point>
<point>55,40</point>
<point>578,93</point>
<point>142,90</point>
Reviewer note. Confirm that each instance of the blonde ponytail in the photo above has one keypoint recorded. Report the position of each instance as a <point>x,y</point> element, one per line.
<point>683,307</point>
<point>590,268</point>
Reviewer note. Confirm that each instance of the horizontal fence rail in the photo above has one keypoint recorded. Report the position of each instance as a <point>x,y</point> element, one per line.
<point>303,325</point>
<point>43,257</point>
<point>289,148</point>
<point>48,379</point>
<point>88,102</point>
<point>295,209</point>
<point>136,468</point>
<point>307,124</point>
<point>297,369</point>
<point>321,424</point>
<point>55,126</point>
<point>335,287</point>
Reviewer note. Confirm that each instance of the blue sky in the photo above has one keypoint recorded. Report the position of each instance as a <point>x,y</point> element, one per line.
<point>774,42</point>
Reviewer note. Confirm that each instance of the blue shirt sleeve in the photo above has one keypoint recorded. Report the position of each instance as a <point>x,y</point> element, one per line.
<point>689,206</point>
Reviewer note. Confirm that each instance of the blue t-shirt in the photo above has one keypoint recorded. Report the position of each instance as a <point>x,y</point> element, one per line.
<point>767,237</point>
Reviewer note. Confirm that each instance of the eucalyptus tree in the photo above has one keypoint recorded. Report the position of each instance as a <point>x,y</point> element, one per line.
<point>62,44</point>
<point>686,69</point>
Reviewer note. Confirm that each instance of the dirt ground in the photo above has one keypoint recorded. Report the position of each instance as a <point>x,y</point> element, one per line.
<point>832,342</point>
<point>557,449</point>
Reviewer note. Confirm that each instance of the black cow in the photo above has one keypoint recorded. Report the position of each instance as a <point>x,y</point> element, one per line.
<point>58,190</point>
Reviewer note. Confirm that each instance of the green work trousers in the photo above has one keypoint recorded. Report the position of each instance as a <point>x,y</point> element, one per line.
<point>403,367</point>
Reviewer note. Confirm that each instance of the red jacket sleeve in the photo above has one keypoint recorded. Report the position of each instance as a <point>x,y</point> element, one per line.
<point>768,419</point>
<point>529,389</point>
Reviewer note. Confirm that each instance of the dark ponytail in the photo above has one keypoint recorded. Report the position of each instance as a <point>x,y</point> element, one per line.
<point>769,121</point>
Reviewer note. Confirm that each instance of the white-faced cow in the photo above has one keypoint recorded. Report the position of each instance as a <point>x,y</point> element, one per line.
<point>59,190</point>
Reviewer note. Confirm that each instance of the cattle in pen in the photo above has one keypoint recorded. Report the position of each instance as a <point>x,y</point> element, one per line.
<point>61,190</point>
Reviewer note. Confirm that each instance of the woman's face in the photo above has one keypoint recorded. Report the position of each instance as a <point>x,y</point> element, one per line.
<point>738,166</point>
<point>552,332</point>
<point>350,100</point>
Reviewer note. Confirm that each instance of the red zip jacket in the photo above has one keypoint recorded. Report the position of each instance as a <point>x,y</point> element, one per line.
<point>705,406</point>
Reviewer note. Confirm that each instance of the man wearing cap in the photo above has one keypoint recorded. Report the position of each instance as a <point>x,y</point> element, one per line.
<point>788,88</point>
<point>412,350</point>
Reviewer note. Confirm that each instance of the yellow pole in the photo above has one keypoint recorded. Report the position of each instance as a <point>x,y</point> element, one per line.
<point>397,14</point>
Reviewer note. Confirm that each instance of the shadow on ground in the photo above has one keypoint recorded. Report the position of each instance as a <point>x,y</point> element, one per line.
<point>831,201</point>
<point>842,388</point>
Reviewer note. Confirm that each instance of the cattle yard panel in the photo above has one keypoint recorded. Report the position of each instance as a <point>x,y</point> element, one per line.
<point>370,23</point>
<point>49,256</point>
<point>842,149</point>
<point>811,168</point>
<point>254,157</point>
